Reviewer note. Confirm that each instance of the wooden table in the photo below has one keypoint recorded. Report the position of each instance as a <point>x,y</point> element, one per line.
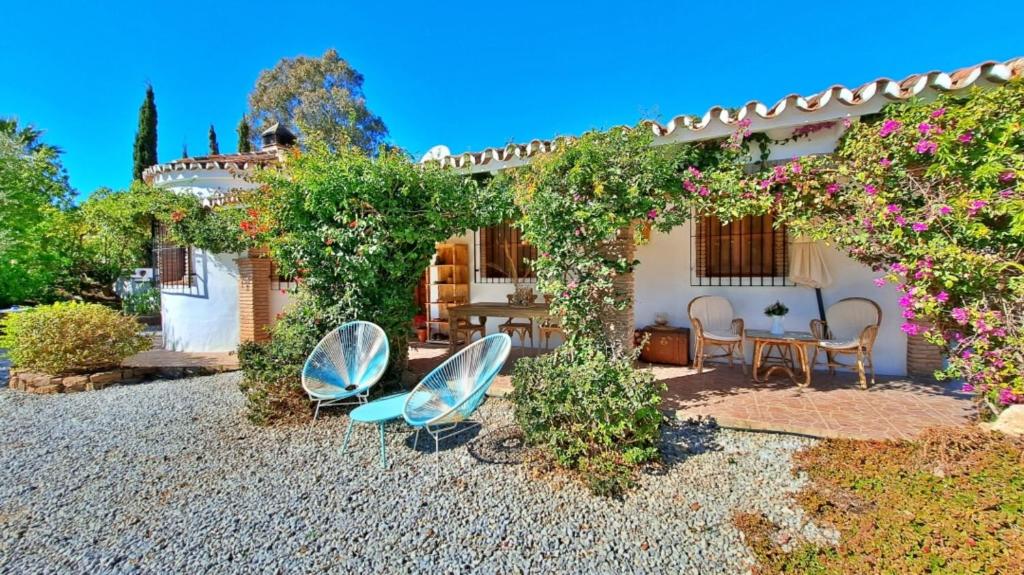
<point>785,344</point>
<point>484,310</point>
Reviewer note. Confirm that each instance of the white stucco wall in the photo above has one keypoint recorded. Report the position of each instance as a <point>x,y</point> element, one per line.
<point>203,317</point>
<point>663,286</point>
<point>279,298</point>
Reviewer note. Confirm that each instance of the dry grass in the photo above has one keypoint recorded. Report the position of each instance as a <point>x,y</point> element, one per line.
<point>951,502</point>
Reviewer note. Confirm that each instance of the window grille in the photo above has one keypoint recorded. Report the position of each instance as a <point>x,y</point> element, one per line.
<point>280,281</point>
<point>173,262</point>
<point>749,251</point>
<point>501,253</point>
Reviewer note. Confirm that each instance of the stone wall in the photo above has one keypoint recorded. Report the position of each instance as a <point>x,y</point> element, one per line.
<point>34,382</point>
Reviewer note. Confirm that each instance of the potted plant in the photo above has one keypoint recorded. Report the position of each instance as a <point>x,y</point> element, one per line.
<point>777,311</point>
<point>420,323</point>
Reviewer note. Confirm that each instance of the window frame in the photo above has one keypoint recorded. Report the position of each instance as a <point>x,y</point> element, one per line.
<point>771,242</point>
<point>485,245</point>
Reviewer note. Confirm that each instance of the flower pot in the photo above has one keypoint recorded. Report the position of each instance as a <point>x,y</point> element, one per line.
<point>421,334</point>
<point>777,327</point>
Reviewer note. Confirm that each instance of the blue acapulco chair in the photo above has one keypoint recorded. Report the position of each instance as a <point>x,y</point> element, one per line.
<point>450,393</point>
<point>346,363</point>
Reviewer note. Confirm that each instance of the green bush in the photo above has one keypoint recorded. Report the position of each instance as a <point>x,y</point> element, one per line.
<point>143,302</point>
<point>593,414</point>
<point>70,337</point>
<point>271,371</point>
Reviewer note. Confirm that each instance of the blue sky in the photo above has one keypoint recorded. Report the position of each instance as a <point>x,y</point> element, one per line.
<point>467,75</point>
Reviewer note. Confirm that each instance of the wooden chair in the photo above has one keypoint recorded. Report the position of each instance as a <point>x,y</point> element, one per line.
<point>850,328</point>
<point>465,326</point>
<point>714,325</point>
<point>522,328</point>
<point>551,325</point>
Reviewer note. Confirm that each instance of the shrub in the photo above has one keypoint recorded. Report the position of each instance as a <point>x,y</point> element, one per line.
<point>70,337</point>
<point>271,371</point>
<point>146,301</point>
<point>594,414</point>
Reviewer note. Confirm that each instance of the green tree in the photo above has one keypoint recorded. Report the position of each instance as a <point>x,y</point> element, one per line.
<point>244,136</point>
<point>214,146</point>
<point>318,98</point>
<point>145,137</point>
<point>33,189</point>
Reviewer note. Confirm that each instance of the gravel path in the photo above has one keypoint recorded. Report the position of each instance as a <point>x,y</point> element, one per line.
<point>168,477</point>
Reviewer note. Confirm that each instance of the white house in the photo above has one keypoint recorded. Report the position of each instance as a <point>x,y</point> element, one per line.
<point>208,301</point>
<point>675,266</point>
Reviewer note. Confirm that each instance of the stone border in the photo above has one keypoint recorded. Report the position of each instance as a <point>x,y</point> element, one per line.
<point>41,383</point>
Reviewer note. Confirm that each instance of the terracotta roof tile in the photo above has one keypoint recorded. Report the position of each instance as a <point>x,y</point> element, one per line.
<point>241,162</point>
<point>990,72</point>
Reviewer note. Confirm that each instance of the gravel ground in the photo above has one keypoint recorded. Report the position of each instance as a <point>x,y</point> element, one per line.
<point>169,477</point>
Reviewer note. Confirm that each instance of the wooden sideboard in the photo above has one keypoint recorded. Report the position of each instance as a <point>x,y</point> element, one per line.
<point>667,345</point>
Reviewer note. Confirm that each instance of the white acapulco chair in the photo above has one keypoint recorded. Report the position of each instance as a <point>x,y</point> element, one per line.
<point>450,393</point>
<point>346,363</point>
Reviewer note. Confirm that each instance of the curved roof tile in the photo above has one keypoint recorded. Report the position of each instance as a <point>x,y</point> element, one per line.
<point>911,86</point>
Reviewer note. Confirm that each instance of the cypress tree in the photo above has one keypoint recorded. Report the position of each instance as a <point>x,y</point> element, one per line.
<point>244,142</point>
<point>214,147</point>
<point>184,150</point>
<point>144,154</point>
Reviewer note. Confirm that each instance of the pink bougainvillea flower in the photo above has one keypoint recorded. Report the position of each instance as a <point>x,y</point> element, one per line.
<point>695,172</point>
<point>909,314</point>
<point>1007,397</point>
<point>898,268</point>
<point>910,328</point>
<point>967,388</point>
<point>652,215</point>
<point>690,186</point>
<point>703,191</point>
<point>894,209</point>
<point>976,207</point>
<point>945,210</point>
<point>942,297</point>
<point>765,184</point>
<point>900,220</point>
<point>938,113</point>
<point>572,285</point>
<point>888,127</point>
<point>960,315</point>
<point>847,122</point>
<point>879,282</point>
<point>1007,177</point>
<point>870,190</point>
<point>886,162</point>
<point>924,128</point>
<point>744,123</point>
<point>1007,193</point>
<point>832,189</point>
<point>966,137</point>
<point>926,147</point>
<point>919,227</point>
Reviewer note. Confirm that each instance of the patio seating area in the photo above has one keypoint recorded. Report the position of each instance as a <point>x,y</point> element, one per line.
<point>832,406</point>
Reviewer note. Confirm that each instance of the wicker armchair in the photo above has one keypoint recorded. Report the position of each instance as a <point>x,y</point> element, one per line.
<point>714,325</point>
<point>850,328</point>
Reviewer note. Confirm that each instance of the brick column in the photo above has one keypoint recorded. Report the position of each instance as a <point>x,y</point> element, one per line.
<point>923,358</point>
<point>254,296</point>
<point>619,323</point>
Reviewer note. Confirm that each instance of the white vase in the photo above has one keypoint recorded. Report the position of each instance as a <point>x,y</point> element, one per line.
<point>777,327</point>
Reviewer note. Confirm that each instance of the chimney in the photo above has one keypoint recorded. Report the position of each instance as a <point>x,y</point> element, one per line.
<point>276,137</point>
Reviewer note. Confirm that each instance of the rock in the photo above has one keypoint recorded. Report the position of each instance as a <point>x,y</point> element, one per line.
<point>47,389</point>
<point>1010,421</point>
<point>103,377</point>
<point>73,383</point>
